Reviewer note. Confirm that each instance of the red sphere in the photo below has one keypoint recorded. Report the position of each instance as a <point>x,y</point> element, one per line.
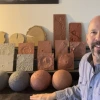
<point>40,80</point>
<point>61,79</point>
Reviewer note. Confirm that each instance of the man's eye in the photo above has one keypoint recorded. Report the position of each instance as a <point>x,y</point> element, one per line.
<point>93,32</point>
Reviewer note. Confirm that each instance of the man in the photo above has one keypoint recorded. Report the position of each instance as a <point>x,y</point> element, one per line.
<point>88,87</point>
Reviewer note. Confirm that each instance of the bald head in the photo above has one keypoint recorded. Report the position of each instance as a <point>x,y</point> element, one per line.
<point>95,20</point>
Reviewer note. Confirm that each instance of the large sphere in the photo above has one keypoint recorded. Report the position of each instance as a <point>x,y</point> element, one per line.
<point>3,80</point>
<point>40,80</point>
<point>19,80</point>
<point>61,79</point>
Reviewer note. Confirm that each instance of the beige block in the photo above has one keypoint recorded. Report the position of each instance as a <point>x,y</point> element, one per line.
<point>16,38</point>
<point>25,62</point>
<point>7,49</point>
<point>35,34</point>
<point>2,37</point>
<point>6,62</point>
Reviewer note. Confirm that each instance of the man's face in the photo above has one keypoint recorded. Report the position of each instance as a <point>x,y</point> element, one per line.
<point>93,37</point>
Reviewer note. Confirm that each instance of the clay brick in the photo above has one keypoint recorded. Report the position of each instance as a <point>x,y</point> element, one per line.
<point>59,26</point>
<point>66,61</point>
<point>75,32</point>
<point>44,47</point>
<point>26,48</point>
<point>25,62</point>
<point>46,61</point>
<point>78,48</point>
<point>61,47</point>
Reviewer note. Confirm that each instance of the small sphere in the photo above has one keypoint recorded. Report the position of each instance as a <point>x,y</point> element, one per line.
<point>40,80</point>
<point>3,79</point>
<point>61,79</point>
<point>19,81</point>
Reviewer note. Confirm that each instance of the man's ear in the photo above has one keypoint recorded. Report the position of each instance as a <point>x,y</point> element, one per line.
<point>87,37</point>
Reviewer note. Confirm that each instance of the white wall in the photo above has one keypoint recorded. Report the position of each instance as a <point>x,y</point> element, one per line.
<point>18,18</point>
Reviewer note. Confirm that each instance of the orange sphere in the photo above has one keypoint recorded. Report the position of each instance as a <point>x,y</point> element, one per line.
<point>61,79</point>
<point>40,80</point>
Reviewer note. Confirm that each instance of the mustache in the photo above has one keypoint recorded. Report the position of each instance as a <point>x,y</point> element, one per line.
<point>94,44</point>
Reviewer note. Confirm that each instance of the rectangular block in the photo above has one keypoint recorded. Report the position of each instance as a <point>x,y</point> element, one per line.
<point>25,62</point>
<point>78,48</point>
<point>59,26</point>
<point>44,47</point>
<point>75,32</point>
<point>46,61</point>
<point>61,47</point>
<point>26,48</point>
<point>66,61</point>
<point>6,62</point>
<point>7,49</point>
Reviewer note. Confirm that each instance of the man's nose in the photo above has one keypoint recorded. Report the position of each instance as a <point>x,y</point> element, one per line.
<point>98,36</point>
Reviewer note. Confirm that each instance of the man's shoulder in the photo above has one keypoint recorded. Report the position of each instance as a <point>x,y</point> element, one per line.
<point>85,57</point>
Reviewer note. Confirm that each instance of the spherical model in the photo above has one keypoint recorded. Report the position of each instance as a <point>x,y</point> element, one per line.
<point>40,80</point>
<point>19,81</point>
<point>61,79</point>
<point>3,79</point>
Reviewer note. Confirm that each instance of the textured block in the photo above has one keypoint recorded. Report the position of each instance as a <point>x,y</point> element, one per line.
<point>75,32</point>
<point>61,47</point>
<point>7,49</point>
<point>78,48</point>
<point>46,61</point>
<point>26,48</point>
<point>44,47</point>
<point>25,62</point>
<point>59,26</point>
<point>66,61</point>
<point>6,62</point>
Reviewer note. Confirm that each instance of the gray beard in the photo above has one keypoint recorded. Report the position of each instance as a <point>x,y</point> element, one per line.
<point>97,55</point>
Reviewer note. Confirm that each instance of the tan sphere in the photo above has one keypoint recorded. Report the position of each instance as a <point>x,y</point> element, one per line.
<point>61,79</point>
<point>40,80</point>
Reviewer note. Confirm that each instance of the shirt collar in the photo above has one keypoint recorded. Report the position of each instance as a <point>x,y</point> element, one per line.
<point>90,60</point>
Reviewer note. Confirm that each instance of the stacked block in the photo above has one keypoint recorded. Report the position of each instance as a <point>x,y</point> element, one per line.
<point>25,57</point>
<point>6,56</point>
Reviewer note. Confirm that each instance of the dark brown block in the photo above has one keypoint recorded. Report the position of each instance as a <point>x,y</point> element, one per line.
<point>59,26</point>
<point>44,47</point>
<point>26,48</point>
<point>66,61</point>
<point>78,48</point>
<point>46,61</point>
<point>61,47</point>
<point>75,32</point>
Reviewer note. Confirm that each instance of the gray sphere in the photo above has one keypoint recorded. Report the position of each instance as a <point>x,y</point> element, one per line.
<point>3,79</point>
<point>19,81</point>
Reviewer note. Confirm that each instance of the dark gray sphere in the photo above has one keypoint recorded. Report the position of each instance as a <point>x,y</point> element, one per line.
<point>3,79</point>
<point>19,81</point>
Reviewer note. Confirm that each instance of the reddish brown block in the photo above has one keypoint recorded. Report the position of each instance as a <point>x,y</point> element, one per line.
<point>44,47</point>
<point>61,47</point>
<point>59,26</point>
<point>66,61</point>
<point>75,32</point>
<point>26,48</point>
<point>78,48</point>
<point>46,61</point>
